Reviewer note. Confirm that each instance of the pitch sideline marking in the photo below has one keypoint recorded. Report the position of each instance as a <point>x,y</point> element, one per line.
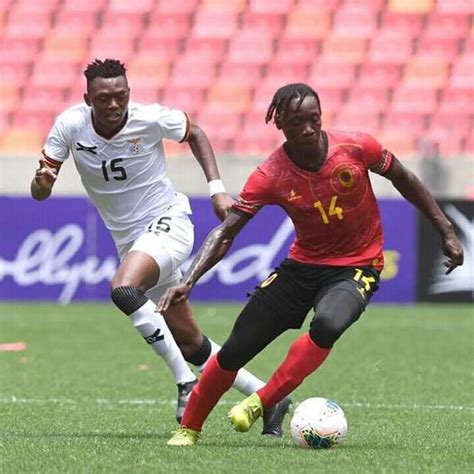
<point>150,402</point>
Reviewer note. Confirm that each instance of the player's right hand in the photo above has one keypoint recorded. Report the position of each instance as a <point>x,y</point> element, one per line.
<point>44,175</point>
<point>174,295</point>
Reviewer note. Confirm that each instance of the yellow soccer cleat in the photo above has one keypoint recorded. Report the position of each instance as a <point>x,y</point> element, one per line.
<point>184,437</point>
<point>246,413</point>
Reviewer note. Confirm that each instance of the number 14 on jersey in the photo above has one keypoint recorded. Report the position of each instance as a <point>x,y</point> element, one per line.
<point>333,210</point>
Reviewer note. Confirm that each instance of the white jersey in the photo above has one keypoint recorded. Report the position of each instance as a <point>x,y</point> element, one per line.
<point>125,176</point>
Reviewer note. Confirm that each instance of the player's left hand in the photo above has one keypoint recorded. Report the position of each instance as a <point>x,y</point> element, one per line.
<point>452,248</point>
<point>222,203</point>
<point>173,295</point>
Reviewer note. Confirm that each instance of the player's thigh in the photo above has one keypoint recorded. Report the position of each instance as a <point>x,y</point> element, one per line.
<point>340,304</point>
<point>256,326</point>
<point>167,242</point>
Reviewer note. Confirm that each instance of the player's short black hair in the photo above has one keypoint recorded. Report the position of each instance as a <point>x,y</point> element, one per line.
<point>285,94</point>
<point>106,68</point>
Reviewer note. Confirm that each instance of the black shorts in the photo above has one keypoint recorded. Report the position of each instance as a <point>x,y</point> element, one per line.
<point>294,288</point>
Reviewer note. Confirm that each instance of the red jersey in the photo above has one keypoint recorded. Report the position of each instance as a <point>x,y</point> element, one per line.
<point>334,210</point>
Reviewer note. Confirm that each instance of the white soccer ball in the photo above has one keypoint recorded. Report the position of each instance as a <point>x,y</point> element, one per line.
<point>318,423</point>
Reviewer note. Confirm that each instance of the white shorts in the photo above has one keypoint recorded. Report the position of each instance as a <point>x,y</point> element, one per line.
<point>169,240</point>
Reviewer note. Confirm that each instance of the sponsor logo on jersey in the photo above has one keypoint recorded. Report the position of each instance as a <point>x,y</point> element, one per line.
<point>135,145</point>
<point>89,149</point>
<point>293,196</point>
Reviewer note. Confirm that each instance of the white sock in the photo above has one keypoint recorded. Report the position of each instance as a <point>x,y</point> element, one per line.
<point>245,382</point>
<point>152,326</point>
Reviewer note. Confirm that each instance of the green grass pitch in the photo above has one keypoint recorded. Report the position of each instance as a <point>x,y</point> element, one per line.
<point>87,395</point>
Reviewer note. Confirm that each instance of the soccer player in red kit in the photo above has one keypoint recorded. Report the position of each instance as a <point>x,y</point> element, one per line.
<point>321,179</point>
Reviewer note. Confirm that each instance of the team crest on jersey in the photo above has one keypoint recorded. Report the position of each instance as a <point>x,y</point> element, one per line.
<point>136,145</point>
<point>345,178</point>
<point>294,195</point>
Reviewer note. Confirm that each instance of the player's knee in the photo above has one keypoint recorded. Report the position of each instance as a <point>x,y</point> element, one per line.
<point>230,357</point>
<point>128,299</point>
<point>325,330</point>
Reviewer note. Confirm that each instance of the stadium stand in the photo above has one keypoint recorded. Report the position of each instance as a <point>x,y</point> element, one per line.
<point>401,69</point>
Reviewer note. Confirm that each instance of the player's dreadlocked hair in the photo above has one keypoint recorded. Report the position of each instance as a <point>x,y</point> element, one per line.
<point>285,94</point>
<point>106,68</point>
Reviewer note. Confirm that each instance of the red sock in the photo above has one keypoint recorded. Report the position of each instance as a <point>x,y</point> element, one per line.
<point>303,358</point>
<point>213,383</point>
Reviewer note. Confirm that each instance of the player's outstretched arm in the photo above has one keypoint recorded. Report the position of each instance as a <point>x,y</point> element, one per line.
<point>212,250</point>
<point>202,150</point>
<point>43,182</point>
<point>413,190</point>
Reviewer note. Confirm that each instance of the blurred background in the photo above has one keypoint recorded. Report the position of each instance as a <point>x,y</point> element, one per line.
<point>402,70</point>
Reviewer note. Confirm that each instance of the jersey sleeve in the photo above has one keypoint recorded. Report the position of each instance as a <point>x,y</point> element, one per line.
<point>173,124</point>
<point>56,149</point>
<point>254,195</point>
<point>377,159</point>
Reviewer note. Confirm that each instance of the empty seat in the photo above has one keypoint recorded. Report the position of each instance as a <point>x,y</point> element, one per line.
<point>190,98</point>
<point>331,101</point>
<point>168,25</point>
<point>441,49</point>
<point>81,23</point>
<point>457,101</point>
<point>147,72</point>
<point>65,47</point>
<point>9,95</point>
<point>250,49</point>
<point>121,25</point>
<point>379,75</point>
<point>455,6</point>
<point>24,24</point>
<point>206,50</point>
<point>34,119</point>
<point>425,73</point>
<point>344,49</point>
<point>31,7</point>
<point>442,25</point>
<point>143,94</point>
<point>13,72</point>
<point>303,51</point>
<point>401,25</point>
<point>417,101</point>
<point>183,6</point>
<point>84,5</point>
<point>334,75</point>
<point>356,121</point>
<point>230,5</point>
<point>450,122</point>
<point>282,6</point>
<point>412,6</point>
<point>405,122</point>
<point>402,144</point>
<point>355,21</point>
<point>367,101</point>
<point>192,73</point>
<point>126,6</point>
<point>219,125</point>
<point>102,46</point>
<point>163,48</point>
<point>293,73</point>
<point>16,141</point>
<point>268,23</point>
<point>229,96</point>
<point>390,50</point>
<point>214,24</point>
<point>462,73</point>
<point>306,22</point>
<point>54,71</point>
<point>49,98</point>
<point>248,74</point>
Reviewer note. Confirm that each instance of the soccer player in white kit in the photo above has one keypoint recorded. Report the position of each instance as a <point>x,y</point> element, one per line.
<point>118,151</point>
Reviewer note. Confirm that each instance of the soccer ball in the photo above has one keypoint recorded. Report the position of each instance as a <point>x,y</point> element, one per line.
<point>318,423</point>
